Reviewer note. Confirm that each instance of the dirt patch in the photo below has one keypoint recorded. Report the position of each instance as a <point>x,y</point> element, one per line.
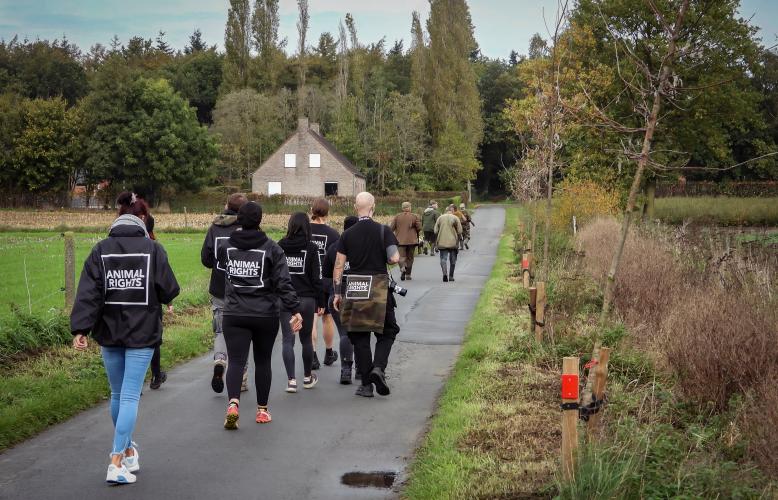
<point>518,430</point>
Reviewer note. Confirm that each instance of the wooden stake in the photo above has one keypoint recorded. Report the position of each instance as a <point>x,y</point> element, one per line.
<point>540,310</point>
<point>525,269</point>
<point>569,421</point>
<point>598,390</point>
<point>186,218</point>
<point>533,295</point>
<point>70,271</point>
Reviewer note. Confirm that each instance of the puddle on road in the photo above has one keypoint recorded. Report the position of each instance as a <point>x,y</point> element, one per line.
<point>377,479</point>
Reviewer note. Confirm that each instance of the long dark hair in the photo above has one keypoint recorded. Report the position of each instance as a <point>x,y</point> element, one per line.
<point>298,223</point>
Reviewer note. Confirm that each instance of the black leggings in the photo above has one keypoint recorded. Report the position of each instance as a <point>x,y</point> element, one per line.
<point>156,359</point>
<point>383,346</point>
<point>346,347</point>
<point>307,310</point>
<point>239,333</point>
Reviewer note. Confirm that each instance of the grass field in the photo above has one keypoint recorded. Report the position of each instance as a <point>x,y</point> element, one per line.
<point>720,210</point>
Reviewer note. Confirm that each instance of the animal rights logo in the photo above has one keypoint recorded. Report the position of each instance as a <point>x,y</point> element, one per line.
<point>358,287</point>
<point>126,278</point>
<point>296,263</point>
<point>245,267</point>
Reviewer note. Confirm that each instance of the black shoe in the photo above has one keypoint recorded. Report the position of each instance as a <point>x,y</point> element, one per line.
<point>445,279</point>
<point>158,381</point>
<point>345,374</point>
<point>217,382</point>
<point>366,391</point>
<point>330,357</point>
<point>377,377</point>
<point>467,246</point>
<point>408,278</point>
<point>425,251</point>
<point>451,278</point>
<point>315,365</point>
<point>402,276</point>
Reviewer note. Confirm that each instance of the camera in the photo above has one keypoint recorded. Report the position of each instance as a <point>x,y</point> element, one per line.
<point>395,288</point>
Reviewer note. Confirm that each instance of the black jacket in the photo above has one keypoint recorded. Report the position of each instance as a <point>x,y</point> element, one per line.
<point>218,234</point>
<point>125,280</point>
<point>257,281</point>
<point>304,263</point>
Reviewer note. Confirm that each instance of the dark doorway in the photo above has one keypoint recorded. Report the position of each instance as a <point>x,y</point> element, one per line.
<point>330,189</point>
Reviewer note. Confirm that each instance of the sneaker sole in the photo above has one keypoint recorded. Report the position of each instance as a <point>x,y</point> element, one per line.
<point>290,390</point>
<point>311,385</point>
<point>329,362</point>
<point>380,386</point>
<point>217,382</point>
<point>120,480</point>
<point>231,422</point>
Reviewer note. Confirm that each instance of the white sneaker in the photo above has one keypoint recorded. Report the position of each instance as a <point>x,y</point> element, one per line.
<point>291,385</point>
<point>132,463</point>
<point>119,475</point>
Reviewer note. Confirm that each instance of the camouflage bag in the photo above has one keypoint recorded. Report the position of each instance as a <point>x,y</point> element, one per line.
<point>364,302</point>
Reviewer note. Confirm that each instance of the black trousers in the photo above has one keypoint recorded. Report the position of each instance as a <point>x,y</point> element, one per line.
<point>239,333</point>
<point>383,347</point>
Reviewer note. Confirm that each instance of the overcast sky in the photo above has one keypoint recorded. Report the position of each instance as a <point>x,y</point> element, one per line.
<point>500,25</point>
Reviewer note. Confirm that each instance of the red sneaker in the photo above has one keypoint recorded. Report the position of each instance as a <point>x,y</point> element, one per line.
<point>231,419</point>
<point>263,416</point>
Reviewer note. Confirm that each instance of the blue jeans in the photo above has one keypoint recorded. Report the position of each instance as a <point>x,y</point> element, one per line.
<point>126,369</point>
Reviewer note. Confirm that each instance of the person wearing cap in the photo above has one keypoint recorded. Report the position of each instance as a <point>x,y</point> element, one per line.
<point>466,223</point>
<point>461,218</point>
<point>428,220</point>
<point>406,227</point>
<point>257,287</point>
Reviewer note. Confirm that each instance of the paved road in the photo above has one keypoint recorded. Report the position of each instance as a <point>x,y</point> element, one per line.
<point>316,436</point>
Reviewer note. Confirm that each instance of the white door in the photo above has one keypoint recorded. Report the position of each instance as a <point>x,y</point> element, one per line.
<point>273,188</point>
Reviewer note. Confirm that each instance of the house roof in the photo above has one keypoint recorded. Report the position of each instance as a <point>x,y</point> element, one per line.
<point>337,154</point>
<point>326,145</point>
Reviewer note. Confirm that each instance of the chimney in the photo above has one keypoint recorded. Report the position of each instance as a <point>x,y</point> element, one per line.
<point>315,128</point>
<point>302,125</point>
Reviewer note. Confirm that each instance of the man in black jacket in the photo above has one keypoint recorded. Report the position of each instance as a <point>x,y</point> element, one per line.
<point>218,234</point>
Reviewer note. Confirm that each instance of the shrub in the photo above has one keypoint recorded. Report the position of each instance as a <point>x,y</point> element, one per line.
<point>586,200</point>
<point>24,332</point>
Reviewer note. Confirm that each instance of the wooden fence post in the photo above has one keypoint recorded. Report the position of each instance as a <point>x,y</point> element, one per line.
<point>186,218</point>
<point>540,310</point>
<point>598,390</point>
<point>533,296</point>
<point>569,416</point>
<point>525,269</point>
<point>70,271</point>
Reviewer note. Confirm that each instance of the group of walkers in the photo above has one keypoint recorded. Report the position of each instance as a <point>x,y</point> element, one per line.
<point>257,287</point>
<point>446,234</point>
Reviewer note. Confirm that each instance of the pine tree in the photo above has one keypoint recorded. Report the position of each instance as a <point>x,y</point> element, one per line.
<point>196,43</point>
<point>162,45</point>
<point>236,44</point>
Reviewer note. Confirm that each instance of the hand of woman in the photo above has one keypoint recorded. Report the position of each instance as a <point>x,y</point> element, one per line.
<point>296,322</point>
<point>320,311</point>
<point>80,342</point>
<point>170,308</point>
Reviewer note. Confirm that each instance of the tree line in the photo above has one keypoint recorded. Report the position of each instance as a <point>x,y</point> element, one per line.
<point>431,113</point>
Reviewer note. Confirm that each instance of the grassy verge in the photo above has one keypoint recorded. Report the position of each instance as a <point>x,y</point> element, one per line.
<point>720,210</point>
<point>55,385</point>
<point>495,432</point>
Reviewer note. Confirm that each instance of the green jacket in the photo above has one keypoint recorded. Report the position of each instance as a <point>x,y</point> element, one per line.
<point>448,228</point>
<point>428,219</point>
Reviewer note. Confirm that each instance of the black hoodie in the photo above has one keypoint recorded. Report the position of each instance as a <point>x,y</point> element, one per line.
<point>304,263</point>
<point>218,234</point>
<point>257,281</point>
<point>125,280</point>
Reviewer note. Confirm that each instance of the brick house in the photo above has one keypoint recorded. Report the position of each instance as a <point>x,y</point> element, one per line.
<point>307,164</point>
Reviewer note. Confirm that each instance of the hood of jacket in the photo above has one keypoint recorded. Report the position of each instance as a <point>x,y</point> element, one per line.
<point>428,209</point>
<point>296,243</point>
<point>228,218</point>
<point>248,239</point>
<point>128,225</point>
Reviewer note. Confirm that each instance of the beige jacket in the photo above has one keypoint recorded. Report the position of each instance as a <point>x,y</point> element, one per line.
<point>448,228</point>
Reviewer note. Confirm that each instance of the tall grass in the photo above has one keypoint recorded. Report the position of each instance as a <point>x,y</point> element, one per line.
<point>720,210</point>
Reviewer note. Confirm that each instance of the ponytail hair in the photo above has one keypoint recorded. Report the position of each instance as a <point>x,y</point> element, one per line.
<point>124,202</point>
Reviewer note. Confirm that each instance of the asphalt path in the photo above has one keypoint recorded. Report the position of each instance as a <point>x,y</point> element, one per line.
<point>316,436</point>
